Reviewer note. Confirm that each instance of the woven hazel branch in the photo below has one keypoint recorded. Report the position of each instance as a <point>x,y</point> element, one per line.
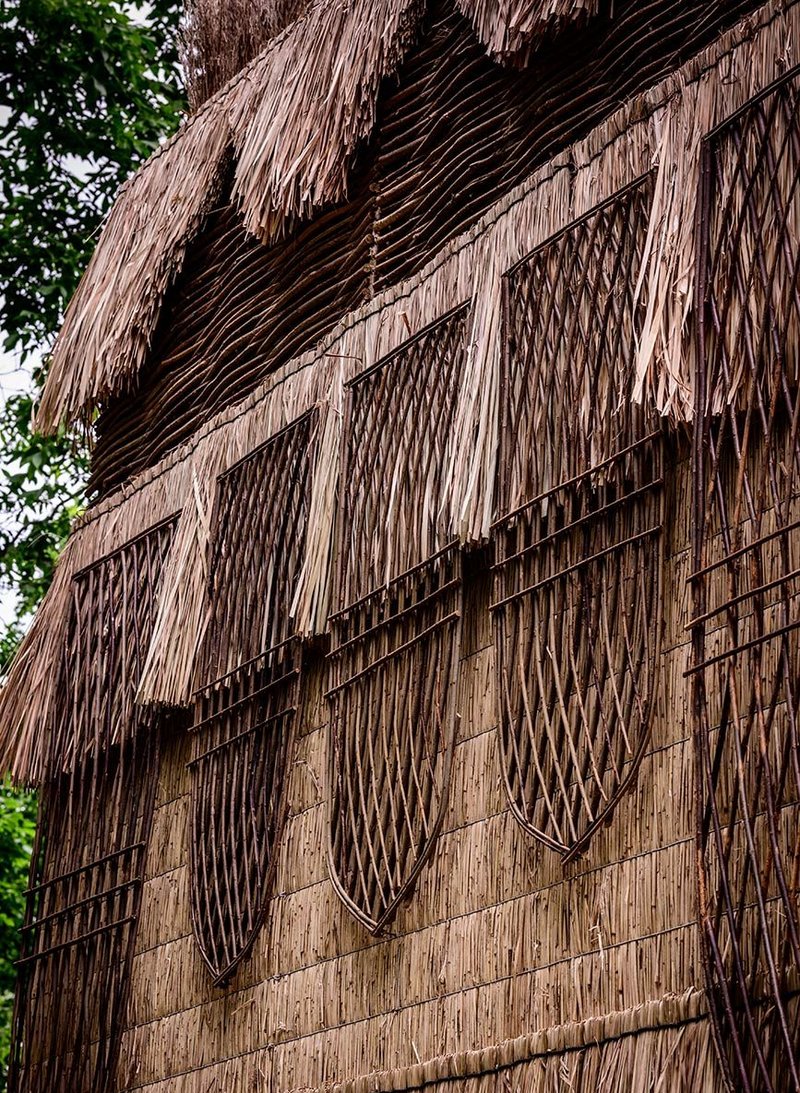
<point>746,593</point>
<point>577,577</point>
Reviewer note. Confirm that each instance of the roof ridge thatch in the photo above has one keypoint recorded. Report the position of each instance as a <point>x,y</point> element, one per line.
<point>323,70</point>
<point>219,37</point>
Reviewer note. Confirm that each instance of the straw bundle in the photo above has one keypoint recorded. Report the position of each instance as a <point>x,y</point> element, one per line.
<point>111,317</point>
<point>295,116</point>
<point>219,38</point>
<point>512,29</point>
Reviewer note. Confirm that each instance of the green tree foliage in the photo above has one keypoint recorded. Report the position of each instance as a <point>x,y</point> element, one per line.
<point>17,823</point>
<point>88,88</point>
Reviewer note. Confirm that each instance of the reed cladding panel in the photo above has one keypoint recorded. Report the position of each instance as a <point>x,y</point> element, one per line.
<point>578,566</point>
<point>500,938</point>
<point>398,439</point>
<point>395,637</point>
<point>258,549</point>
<point>244,712</point>
<point>96,807</point>
<point>747,567</point>
<point>114,604</point>
<point>455,133</point>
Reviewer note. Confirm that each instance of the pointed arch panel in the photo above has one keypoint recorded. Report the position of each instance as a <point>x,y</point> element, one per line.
<point>396,635</point>
<point>577,574</point>
<point>244,714</point>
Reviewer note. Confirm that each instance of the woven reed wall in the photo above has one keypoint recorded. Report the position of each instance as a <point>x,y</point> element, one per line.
<point>457,133</point>
<point>498,940</point>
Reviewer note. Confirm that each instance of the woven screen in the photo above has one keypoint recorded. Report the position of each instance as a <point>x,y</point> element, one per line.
<point>747,596</point>
<point>113,614</point>
<point>577,575</point>
<point>95,816</point>
<point>393,673</point>
<point>398,423</point>
<point>244,714</point>
<point>396,635</point>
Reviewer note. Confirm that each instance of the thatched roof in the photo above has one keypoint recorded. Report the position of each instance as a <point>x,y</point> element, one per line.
<point>293,119</point>
<point>661,129</point>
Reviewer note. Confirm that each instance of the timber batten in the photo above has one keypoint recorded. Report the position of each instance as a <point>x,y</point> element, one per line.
<point>485,788</point>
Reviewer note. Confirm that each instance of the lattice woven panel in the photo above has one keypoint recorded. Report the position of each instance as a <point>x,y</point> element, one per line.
<point>113,614</point>
<point>392,671</point>
<point>577,619</point>
<point>572,319</point>
<point>258,548</point>
<point>243,733</point>
<point>81,919</point>
<point>577,575</point>
<point>398,425</point>
<point>243,719</point>
<point>746,592</point>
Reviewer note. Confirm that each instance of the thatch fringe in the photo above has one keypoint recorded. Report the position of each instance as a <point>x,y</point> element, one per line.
<point>219,37</point>
<point>511,29</point>
<point>295,141</point>
<point>664,127</point>
<point>111,317</point>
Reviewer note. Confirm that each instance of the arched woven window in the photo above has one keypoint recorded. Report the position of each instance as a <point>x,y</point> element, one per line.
<point>397,631</point>
<point>578,545</point>
<point>747,586</point>
<point>244,714</point>
<point>96,809</point>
